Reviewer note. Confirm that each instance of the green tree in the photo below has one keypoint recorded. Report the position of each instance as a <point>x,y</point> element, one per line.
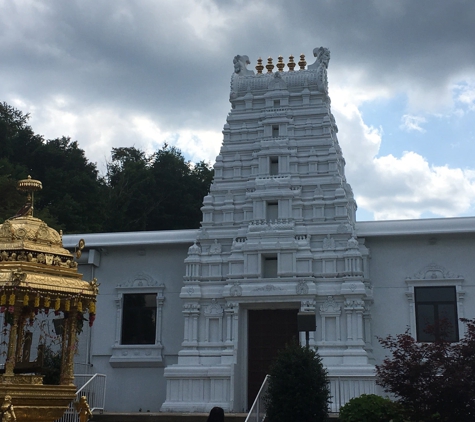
<point>130,184</point>
<point>139,192</point>
<point>160,191</point>
<point>12,200</point>
<point>73,191</point>
<point>298,386</point>
<point>72,195</point>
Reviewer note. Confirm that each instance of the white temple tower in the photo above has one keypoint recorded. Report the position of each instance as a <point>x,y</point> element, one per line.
<point>277,238</point>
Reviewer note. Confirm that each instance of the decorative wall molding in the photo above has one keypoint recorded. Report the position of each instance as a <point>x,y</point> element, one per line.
<point>434,271</point>
<point>429,276</point>
<point>138,355</point>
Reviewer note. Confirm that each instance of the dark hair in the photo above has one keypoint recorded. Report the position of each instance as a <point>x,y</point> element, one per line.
<point>216,415</point>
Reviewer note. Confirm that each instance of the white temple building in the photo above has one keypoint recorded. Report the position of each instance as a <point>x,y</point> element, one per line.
<point>191,319</point>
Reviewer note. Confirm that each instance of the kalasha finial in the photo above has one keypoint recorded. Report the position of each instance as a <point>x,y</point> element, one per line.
<point>30,186</point>
<point>291,64</point>
<point>269,65</point>
<point>260,66</point>
<point>281,64</point>
<point>302,62</point>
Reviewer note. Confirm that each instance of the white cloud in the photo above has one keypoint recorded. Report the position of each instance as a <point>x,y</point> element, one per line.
<point>398,187</point>
<point>464,93</point>
<point>198,145</point>
<point>412,123</point>
<point>109,128</point>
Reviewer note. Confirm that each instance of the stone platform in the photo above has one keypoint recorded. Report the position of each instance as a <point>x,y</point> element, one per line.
<point>163,417</point>
<point>172,417</point>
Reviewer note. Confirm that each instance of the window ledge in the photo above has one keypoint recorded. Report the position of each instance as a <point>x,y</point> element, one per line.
<point>136,356</point>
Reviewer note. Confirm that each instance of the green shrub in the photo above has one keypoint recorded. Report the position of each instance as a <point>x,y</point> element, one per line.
<point>298,387</point>
<point>370,408</point>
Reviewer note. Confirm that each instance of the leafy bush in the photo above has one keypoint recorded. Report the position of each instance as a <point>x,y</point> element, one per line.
<point>298,387</point>
<point>432,381</point>
<point>370,408</point>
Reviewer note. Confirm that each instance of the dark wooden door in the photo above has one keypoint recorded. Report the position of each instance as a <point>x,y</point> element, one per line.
<point>269,330</point>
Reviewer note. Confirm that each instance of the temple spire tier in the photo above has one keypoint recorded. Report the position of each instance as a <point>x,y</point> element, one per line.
<point>278,232</point>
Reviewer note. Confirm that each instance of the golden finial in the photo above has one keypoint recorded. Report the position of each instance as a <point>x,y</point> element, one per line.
<point>291,64</point>
<point>302,62</point>
<point>79,248</point>
<point>28,185</point>
<point>259,66</point>
<point>269,65</point>
<point>281,64</point>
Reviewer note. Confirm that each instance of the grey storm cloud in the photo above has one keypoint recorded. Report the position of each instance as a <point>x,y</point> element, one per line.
<point>121,73</point>
<point>148,55</point>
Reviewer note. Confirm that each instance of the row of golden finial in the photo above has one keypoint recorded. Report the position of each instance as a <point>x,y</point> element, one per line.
<point>280,64</point>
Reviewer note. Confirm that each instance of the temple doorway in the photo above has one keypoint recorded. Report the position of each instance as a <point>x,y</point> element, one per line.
<point>268,331</point>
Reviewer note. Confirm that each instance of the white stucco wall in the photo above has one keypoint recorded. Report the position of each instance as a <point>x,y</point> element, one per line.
<point>132,388</point>
<point>396,258</point>
<point>398,250</point>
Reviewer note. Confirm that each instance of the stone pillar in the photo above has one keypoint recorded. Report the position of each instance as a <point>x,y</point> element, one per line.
<point>229,311</point>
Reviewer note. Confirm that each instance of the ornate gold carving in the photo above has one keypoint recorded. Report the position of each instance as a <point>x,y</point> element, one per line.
<point>8,413</point>
<point>18,277</point>
<point>39,403</point>
<point>95,286</point>
<point>23,379</point>
<point>6,231</point>
<point>29,185</point>
<point>79,248</point>
<point>82,407</point>
<point>38,258</point>
<point>302,62</point>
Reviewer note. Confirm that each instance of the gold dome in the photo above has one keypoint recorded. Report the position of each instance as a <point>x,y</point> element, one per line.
<point>30,239</point>
<point>24,238</point>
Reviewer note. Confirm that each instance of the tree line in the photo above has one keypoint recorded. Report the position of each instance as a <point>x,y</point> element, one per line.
<point>139,191</point>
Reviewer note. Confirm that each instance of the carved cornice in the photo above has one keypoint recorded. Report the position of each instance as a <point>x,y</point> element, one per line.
<point>140,280</point>
<point>330,306</point>
<point>301,288</point>
<point>213,309</point>
<point>434,271</point>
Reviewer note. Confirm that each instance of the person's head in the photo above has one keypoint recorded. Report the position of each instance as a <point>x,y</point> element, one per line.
<point>216,415</point>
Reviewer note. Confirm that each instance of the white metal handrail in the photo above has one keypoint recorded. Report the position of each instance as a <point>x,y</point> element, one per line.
<point>91,386</point>
<point>259,409</point>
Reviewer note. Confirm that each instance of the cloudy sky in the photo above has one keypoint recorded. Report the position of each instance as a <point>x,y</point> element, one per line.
<point>116,73</point>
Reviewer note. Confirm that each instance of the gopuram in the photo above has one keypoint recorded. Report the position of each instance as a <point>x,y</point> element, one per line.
<point>38,277</point>
<point>278,237</point>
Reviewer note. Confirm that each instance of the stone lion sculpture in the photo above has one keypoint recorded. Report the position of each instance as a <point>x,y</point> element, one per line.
<point>240,65</point>
<point>321,65</point>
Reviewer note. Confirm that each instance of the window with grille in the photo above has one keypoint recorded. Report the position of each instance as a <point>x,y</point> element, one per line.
<point>139,318</point>
<point>436,313</point>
